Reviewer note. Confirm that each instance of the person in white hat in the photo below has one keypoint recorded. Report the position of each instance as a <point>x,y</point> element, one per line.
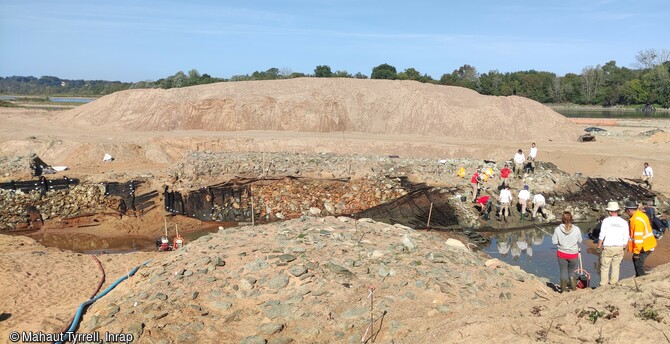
<point>612,241</point>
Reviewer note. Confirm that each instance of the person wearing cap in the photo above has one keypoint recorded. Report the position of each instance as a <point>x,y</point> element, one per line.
<point>519,160</point>
<point>524,196</point>
<point>505,199</point>
<point>647,175</point>
<point>612,241</point>
<point>642,241</point>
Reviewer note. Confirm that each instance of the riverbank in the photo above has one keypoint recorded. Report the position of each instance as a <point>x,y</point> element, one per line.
<point>558,107</point>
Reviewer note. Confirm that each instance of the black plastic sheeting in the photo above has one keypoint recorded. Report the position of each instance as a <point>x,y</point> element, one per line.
<point>43,185</point>
<point>129,200</point>
<point>230,201</point>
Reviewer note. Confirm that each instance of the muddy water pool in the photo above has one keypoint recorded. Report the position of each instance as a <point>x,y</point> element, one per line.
<point>532,251</point>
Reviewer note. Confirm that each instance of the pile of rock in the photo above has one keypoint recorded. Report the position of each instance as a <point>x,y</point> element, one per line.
<point>79,199</point>
<point>204,167</point>
<point>290,198</point>
<point>305,280</point>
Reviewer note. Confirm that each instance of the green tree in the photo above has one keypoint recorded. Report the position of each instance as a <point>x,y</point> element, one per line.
<point>323,72</point>
<point>490,83</point>
<point>465,76</point>
<point>342,74</point>
<point>657,84</point>
<point>384,71</point>
<point>409,74</point>
<point>592,81</point>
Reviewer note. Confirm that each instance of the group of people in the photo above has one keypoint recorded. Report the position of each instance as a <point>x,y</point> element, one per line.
<point>520,161</point>
<point>524,199</point>
<point>616,235</point>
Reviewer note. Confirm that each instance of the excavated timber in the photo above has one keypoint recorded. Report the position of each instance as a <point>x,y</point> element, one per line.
<point>601,191</point>
<point>414,209</point>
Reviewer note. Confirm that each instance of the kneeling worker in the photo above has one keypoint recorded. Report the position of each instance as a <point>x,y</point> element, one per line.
<point>538,204</point>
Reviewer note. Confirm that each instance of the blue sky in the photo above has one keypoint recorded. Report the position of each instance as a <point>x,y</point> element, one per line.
<point>130,40</point>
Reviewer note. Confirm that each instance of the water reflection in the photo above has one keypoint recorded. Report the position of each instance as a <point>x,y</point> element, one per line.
<point>87,243</point>
<point>532,250</point>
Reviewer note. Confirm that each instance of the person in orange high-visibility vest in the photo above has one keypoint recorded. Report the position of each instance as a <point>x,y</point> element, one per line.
<point>642,241</point>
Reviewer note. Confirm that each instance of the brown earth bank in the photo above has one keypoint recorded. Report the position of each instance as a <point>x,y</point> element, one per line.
<point>306,280</point>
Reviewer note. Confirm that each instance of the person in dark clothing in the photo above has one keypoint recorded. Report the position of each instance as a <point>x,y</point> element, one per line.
<point>595,233</point>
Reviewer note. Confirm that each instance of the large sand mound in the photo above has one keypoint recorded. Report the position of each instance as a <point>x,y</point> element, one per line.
<point>327,105</point>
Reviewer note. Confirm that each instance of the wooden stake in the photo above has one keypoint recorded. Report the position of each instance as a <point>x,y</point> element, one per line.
<point>430,213</point>
<point>253,222</point>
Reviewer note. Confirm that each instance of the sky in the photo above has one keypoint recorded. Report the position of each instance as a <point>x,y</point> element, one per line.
<point>133,40</point>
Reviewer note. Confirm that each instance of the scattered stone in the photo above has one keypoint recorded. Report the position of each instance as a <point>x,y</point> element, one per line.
<point>270,328</point>
<point>297,270</point>
<point>456,243</point>
<point>278,282</point>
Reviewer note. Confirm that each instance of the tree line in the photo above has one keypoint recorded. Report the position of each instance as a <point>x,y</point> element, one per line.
<point>646,83</point>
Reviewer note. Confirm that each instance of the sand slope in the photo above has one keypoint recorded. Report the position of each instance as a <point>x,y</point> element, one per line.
<point>326,105</point>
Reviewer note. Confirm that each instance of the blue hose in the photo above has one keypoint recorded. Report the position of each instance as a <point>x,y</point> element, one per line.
<point>82,307</point>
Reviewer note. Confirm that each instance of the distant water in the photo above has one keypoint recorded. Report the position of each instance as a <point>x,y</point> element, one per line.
<point>533,252</point>
<point>611,114</point>
<point>70,100</point>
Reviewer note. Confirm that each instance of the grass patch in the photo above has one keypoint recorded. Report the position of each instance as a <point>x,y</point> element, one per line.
<point>4,103</point>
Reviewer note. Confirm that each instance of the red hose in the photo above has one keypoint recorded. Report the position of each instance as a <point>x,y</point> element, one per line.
<point>97,289</point>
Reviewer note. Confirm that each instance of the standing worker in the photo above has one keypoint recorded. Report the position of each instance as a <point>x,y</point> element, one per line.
<point>474,182</point>
<point>505,199</point>
<point>642,241</point>
<point>567,236</point>
<point>612,241</point>
<point>519,160</point>
<point>504,175</point>
<point>531,157</point>
<point>647,175</point>
<point>533,152</point>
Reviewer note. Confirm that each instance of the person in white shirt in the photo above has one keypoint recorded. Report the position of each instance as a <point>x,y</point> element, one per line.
<point>538,204</point>
<point>533,152</point>
<point>524,196</point>
<point>647,175</point>
<point>519,160</point>
<point>612,241</point>
<point>505,199</point>
<point>530,167</point>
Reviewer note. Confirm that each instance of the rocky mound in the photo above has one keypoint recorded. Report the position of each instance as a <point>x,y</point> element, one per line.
<point>327,105</point>
<point>305,280</point>
<point>308,281</point>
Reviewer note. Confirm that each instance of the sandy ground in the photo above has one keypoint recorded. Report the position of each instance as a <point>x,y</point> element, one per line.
<point>620,154</point>
<point>39,291</point>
